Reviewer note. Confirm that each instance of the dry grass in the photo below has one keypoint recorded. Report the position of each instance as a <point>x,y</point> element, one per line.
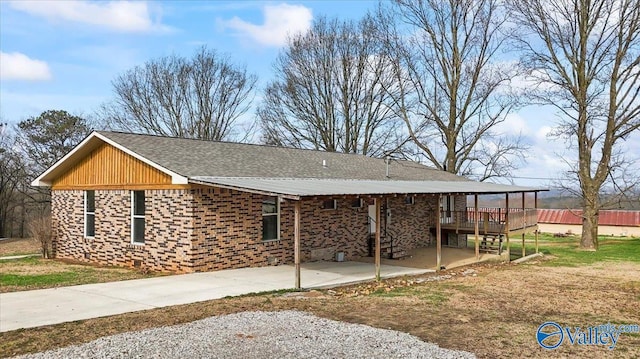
<point>37,273</point>
<point>494,314</point>
<point>19,246</point>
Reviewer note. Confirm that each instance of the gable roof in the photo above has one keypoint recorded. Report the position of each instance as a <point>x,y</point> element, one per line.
<point>259,167</point>
<point>605,217</point>
<point>192,158</point>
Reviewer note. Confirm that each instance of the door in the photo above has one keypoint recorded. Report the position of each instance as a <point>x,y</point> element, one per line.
<point>447,207</point>
<point>372,218</point>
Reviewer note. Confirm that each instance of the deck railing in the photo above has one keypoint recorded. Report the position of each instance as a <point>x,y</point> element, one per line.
<point>491,220</point>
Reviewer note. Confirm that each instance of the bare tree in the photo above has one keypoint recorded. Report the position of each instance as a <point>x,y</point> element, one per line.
<point>453,89</point>
<point>329,92</point>
<point>584,57</point>
<point>11,176</point>
<point>202,97</point>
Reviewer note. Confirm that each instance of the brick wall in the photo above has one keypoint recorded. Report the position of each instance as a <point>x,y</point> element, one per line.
<point>323,232</point>
<point>410,224</point>
<point>204,229</point>
<point>168,229</point>
<point>228,227</point>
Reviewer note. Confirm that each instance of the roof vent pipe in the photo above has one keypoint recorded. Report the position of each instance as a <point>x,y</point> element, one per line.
<point>324,163</point>
<point>387,160</point>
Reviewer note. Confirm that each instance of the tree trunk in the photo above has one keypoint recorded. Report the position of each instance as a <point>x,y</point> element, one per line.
<point>589,239</point>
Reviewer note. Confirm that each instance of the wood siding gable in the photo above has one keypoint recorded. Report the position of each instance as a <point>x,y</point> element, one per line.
<point>108,167</point>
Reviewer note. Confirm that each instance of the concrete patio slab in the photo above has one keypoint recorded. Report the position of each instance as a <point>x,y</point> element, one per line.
<point>36,308</point>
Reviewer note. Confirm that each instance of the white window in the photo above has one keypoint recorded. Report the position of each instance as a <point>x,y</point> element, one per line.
<point>410,200</point>
<point>271,219</point>
<point>89,214</point>
<point>448,205</point>
<point>329,204</point>
<point>137,217</point>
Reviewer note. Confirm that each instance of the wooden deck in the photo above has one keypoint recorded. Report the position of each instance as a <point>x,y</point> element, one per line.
<point>491,221</point>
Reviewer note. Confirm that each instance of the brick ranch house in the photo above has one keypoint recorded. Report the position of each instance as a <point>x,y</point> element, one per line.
<point>182,205</point>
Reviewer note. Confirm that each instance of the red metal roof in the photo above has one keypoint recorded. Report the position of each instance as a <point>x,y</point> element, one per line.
<point>573,216</point>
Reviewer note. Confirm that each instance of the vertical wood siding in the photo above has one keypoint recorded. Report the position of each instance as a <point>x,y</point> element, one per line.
<point>108,166</point>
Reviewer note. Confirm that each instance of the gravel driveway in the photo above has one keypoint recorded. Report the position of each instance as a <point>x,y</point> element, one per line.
<point>286,334</point>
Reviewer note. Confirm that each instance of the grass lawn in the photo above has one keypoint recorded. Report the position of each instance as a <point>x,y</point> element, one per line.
<point>494,313</point>
<point>36,273</point>
<point>567,253</point>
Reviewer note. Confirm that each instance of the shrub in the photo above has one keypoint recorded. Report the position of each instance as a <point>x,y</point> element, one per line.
<point>40,230</point>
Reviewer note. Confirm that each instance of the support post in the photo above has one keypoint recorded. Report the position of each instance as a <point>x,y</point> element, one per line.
<point>438,236</point>
<point>477,229</point>
<point>377,204</point>
<point>506,227</point>
<point>535,205</point>
<point>524,224</point>
<point>296,241</point>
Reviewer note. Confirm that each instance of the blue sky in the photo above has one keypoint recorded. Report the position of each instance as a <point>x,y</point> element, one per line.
<point>63,55</point>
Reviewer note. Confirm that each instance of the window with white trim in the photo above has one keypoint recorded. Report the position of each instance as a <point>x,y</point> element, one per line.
<point>330,204</point>
<point>410,200</point>
<point>270,219</point>
<point>89,214</point>
<point>448,205</point>
<point>137,217</point>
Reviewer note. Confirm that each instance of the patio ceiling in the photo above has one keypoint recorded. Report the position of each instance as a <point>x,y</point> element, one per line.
<point>296,187</point>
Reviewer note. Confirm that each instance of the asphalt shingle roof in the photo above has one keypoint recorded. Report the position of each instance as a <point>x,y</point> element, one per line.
<point>197,158</point>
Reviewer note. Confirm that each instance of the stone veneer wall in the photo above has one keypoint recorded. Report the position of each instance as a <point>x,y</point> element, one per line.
<point>206,229</point>
<point>168,229</point>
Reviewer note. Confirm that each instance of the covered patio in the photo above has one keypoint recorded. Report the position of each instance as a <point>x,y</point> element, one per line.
<point>295,191</point>
<point>425,258</point>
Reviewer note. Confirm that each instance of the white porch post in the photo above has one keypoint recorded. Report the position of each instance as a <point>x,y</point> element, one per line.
<point>524,224</point>
<point>476,216</point>
<point>296,242</point>
<point>535,204</point>
<point>506,227</point>
<point>438,236</point>
<point>376,201</point>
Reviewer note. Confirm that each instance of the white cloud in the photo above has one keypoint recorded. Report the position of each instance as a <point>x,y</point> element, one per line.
<point>17,66</point>
<point>543,133</point>
<point>124,16</point>
<point>513,124</point>
<point>280,21</point>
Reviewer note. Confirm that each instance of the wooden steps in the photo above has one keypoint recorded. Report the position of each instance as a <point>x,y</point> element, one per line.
<point>387,250</point>
<point>492,244</point>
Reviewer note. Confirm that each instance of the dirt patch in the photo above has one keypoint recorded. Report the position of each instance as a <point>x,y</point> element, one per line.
<point>18,246</point>
<point>491,310</point>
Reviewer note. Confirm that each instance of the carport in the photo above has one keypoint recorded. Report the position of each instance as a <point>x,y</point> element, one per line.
<point>297,189</point>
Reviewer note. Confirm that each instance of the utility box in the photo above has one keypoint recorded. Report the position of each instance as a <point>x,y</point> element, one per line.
<point>339,256</point>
